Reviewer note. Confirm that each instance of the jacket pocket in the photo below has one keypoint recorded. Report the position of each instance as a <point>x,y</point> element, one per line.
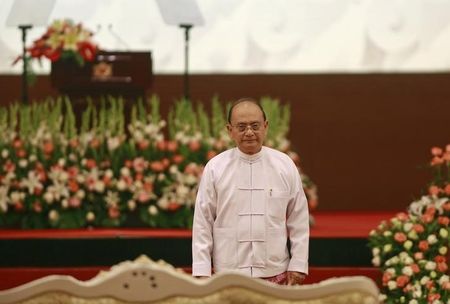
<point>277,203</point>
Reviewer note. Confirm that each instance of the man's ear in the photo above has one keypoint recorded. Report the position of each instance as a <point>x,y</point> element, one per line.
<point>229,128</point>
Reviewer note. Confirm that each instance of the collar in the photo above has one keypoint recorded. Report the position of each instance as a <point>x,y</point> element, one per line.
<point>250,158</point>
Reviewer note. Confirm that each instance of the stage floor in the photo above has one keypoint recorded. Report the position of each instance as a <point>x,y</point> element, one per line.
<point>338,247</point>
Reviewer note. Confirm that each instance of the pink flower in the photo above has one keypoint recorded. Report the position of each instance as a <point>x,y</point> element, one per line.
<point>74,202</point>
<point>177,159</point>
<point>143,197</point>
<point>443,220</point>
<point>423,245</point>
<point>436,161</point>
<point>436,151</point>
<point>400,237</point>
<point>157,166</point>
<point>418,228</point>
<point>442,267</point>
<point>172,146</point>
<point>447,189</point>
<point>139,164</point>
<point>173,206</point>
<point>402,216</point>
<point>402,280</point>
<point>434,190</point>
<point>210,154</point>
<point>415,268</point>
<point>37,207</point>
<point>386,277</point>
<point>418,256</point>
<point>194,145</point>
<point>433,297</point>
<point>113,212</point>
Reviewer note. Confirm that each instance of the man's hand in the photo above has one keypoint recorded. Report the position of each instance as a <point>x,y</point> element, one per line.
<point>295,277</point>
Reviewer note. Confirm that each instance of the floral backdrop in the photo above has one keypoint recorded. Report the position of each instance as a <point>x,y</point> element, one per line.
<point>412,249</point>
<point>102,168</point>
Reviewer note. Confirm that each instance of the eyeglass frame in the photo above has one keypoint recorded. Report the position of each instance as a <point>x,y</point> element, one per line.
<point>243,127</point>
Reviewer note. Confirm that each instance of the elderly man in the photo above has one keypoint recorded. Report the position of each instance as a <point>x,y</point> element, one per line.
<point>249,204</point>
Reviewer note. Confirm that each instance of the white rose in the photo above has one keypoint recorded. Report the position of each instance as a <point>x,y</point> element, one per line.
<point>392,285</point>
<point>432,239</point>
<point>81,194</point>
<point>15,196</point>
<point>443,250</point>
<point>32,158</point>
<point>80,179</point>
<point>62,162</point>
<point>23,163</point>
<point>407,271</point>
<point>90,216</point>
<point>173,169</point>
<point>65,203</point>
<point>121,185</point>
<point>125,171</point>
<point>413,235</point>
<point>408,245</point>
<point>444,279</point>
<point>424,280</point>
<point>375,251</point>
<point>433,274</point>
<point>64,176</point>
<point>443,232</point>
<point>163,203</point>
<point>376,261</point>
<point>53,215</point>
<point>413,301</point>
<point>387,248</point>
<point>99,186</point>
<point>131,205</point>
<point>161,177</point>
<point>387,233</point>
<point>430,265</point>
<point>407,227</point>
<point>48,197</point>
<point>391,271</point>
<point>152,210</point>
<point>5,153</point>
<point>109,173</point>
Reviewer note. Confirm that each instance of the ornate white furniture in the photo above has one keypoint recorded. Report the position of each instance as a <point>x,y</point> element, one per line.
<point>145,281</point>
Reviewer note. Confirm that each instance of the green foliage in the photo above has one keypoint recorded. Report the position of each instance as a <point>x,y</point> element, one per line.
<point>58,172</point>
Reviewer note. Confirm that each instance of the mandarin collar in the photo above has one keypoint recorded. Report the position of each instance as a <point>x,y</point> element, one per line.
<point>250,158</point>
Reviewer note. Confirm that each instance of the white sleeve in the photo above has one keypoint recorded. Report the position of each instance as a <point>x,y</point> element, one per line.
<point>298,228</point>
<point>202,230</point>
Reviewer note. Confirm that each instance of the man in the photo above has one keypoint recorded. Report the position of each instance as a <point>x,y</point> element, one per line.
<point>249,203</point>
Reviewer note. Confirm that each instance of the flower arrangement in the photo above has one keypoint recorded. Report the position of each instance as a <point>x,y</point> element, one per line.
<point>412,249</point>
<point>63,40</point>
<point>107,170</point>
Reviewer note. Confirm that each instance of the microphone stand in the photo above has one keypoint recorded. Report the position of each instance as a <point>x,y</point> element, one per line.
<point>186,28</point>
<point>24,29</point>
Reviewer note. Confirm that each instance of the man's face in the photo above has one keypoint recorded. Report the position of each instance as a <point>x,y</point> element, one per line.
<point>248,128</point>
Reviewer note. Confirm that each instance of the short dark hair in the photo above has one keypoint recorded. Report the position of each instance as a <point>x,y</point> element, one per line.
<point>245,99</point>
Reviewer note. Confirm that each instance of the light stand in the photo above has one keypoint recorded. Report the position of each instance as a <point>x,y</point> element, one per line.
<point>186,28</point>
<point>24,29</point>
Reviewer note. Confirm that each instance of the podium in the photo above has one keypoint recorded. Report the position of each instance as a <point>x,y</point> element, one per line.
<point>125,74</point>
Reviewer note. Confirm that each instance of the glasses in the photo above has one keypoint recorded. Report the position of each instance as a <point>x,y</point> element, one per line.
<point>242,127</point>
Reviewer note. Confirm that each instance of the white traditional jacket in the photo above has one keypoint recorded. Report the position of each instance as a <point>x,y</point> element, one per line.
<point>246,209</point>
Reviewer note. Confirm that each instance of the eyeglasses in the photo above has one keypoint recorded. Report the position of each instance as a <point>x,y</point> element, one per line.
<point>242,127</point>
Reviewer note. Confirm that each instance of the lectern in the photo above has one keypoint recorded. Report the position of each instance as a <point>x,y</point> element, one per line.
<point>126,74</point>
